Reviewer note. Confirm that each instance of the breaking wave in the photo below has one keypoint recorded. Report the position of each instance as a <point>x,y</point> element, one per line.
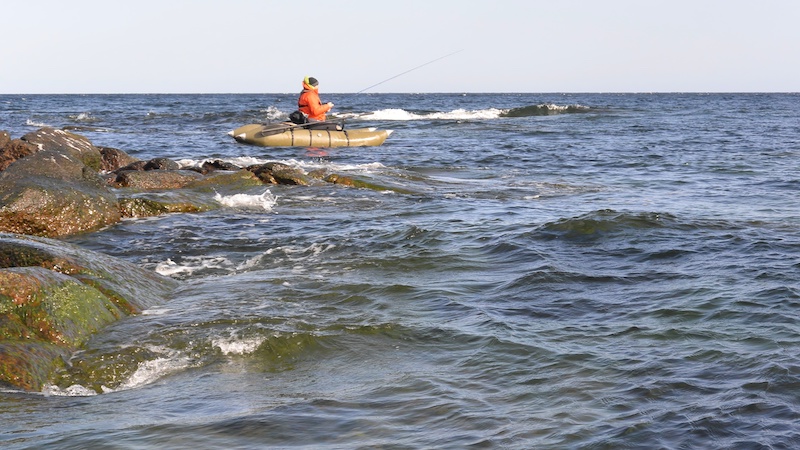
<point>397,114</point>
<point>263,201</point>
<point>545,110</point>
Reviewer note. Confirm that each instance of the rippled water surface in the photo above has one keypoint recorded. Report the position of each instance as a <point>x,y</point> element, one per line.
<point>542,271</point>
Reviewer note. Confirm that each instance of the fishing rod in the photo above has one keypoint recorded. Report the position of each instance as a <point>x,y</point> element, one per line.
<point>410,70</point>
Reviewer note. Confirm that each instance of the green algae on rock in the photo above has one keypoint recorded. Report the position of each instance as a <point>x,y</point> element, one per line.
<point>54,296</point>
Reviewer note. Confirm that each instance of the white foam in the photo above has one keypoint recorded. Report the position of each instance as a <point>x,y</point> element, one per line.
<point>273,113</point>
<point>242,161</point>
<point>263,201</point>
<point>458,114</point>
<point>76,390</point>
<point>192,264</point>
<point>155,311</point>
<point>234,346</point>
<point>146,372</point>
<point>83,117</point>
<point>149,371</point>
<point>335,167</point>
<point>31,123</point>
<point>293,254</point>
<point>170,267</point>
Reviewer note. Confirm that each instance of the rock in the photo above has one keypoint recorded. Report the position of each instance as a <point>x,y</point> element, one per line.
<point>362,184</point>
<point>68,143</point>
<point>278,173</point>
<point>263,173</point>
<point>54,194</point>
<point>218,165</point>
<point>14,150</point>
<point>161,164</point>
<point>155,179</point>
<point>54,296</point>
<point>213,166</point>
<point>4,138</point>
<point>137,165</point>
<point>239,179</point>
<point>143,207</point>
<point>114,159</point>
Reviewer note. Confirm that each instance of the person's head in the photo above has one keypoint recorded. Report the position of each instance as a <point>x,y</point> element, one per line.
<point>311,82</point>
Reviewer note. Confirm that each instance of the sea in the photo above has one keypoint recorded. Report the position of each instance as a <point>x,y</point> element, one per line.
<point>538,271</point>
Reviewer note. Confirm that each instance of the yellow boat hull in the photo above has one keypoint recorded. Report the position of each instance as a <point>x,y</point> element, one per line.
<point>259,134</point>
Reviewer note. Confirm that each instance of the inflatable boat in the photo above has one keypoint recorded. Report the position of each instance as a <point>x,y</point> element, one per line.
<point>287,134</point>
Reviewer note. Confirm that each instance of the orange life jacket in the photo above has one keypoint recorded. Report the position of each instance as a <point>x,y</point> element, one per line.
<point>310,104</point>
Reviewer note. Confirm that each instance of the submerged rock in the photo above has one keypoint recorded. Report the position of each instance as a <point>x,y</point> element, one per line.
<point>54,296</point>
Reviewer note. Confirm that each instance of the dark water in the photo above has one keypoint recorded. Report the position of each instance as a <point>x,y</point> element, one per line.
<point>550,271</point>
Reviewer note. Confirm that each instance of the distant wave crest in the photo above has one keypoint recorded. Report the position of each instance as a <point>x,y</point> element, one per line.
<point>545,110</point>
<point>396,114</point>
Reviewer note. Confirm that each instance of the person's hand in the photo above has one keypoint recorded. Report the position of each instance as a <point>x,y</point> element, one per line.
<point>330,104</point>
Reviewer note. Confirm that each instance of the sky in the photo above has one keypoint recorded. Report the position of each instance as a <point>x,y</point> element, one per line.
<point>267,46</point>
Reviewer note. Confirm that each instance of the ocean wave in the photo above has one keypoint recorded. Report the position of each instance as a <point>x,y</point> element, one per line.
<point>32,123</point>
<point>237,346</point>
<point>397,114</point>
<point>274,113</point>
<point>191,265</point>
<point>83,117</point>
<point>545,109</point>
<point>150,371</point>
<point>265,201</point>
<point>307,165</point>
<point>604,222</point>
<point>457,114</point>
<point>105,373</point>
<point>76,390</point>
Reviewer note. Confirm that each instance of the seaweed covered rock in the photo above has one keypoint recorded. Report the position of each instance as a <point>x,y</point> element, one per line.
<point>54,296</point>
<point>54,194</point>
<point>279,173</point>
<point>139,207</point>
<point>156,179</point>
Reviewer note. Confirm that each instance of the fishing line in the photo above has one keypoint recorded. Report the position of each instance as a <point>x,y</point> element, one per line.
<point>409,70</point>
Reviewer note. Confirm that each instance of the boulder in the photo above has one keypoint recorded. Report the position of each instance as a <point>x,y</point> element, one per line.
<point>155,179</point>
<point>53,193</point>
<point>363,184</point>
<point>114,159</point>
<point>144,207</point>
<point>54,296</point>
<point>210,166</point>
<point>279,173</point>
<point>161,164</point>
<point>235,179</point>
<point>12,150</point>
<point>65,142</point>
<point>136,165</point>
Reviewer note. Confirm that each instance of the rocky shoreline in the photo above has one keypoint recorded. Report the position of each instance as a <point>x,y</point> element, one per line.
<point>54,183</point>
